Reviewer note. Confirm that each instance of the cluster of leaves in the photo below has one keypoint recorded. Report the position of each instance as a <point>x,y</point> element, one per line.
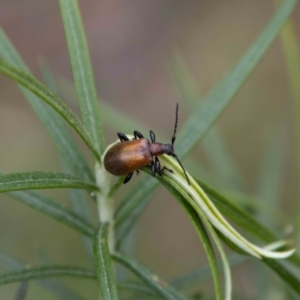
<point>52,112</point>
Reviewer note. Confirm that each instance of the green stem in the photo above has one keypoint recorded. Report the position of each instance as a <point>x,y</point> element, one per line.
<point>105,204</point>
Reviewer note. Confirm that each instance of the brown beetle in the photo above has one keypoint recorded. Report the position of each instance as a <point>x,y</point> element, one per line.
<point>129,155</point>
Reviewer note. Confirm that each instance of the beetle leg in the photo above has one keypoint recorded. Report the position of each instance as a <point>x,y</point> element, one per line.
<point>137,135</point>
<point>152,136</point>
<point>137,172</point>
<point>153,170</point>
<point>122,137</point>
<point>165,168</point>
<point>158,168</point>
<point>127,178</point>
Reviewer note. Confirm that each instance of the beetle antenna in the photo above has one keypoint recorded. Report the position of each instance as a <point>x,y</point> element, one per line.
<point>186,176</point>
<point>175,127</point>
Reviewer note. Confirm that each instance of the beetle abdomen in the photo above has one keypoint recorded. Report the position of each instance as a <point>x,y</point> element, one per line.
<point>126,157</point>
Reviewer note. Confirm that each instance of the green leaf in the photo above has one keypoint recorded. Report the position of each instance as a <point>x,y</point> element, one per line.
<point>211,106</point>
<point>199,220</point>
<point>124,223</point>
<point>236,214</point>
<point>213,145</point>
<point>162,288</point>
<point>291,49</point>
<point>203,205</point>
<point>271,179</point>
<point>45,272</point>
<point>286,275</point>
<point>59,289</point>
<point>77,197</point>
<point>271,174</point>
<point>54,210</point>
<point>42,180</point>
<point>53,123</point>
<point>221,160</point>
<point>132,201</point>
<point>207,112</point>
<point>204,273</point>
<point>104,268</point>
<point>40,90</point>
<point>47,75</point>
<point>202,233</point>
<point>52,284</point>
<point>21,291</point>
<point>138,288</point>
<point>10,263</point>
<point>243,218</point>
<point>116,186</point>
<point>82,71</point>
<point>117,120</point>
<point>80,206</point>
<point>184,82</point>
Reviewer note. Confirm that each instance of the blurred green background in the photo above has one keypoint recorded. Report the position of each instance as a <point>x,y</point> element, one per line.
<point>130,44</point>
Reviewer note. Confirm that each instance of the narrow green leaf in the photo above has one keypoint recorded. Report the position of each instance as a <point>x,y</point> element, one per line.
<point>137,287</point>
<point>271,175</point>
<point>70,154</point>
<point>231,244</point>
<point>221,160</point>
<point>10,263</point>
<point>210,108</point>
<point>203,205</point>
<point>199,220</point>
<point>54,210</point>
<point>161,287</point>
<point>104,267</point>
<point>291,51</point>
<point>52,121</point>
<point>42,180</point>
<point>59,289</point>
<point>80,207</point>
<point>270,181</point>
<point>117,120</point>
<point>202,233</point>
<point>213,145</point>
<point>131,202</point>
<point>52,284</point>
<point>239,216</point>
<point>45,272</point>
<point>124,224</point>
<point>82,71</point>
<point>184,82</point>
<point>242,218</point>
<point>21,291</point>
<point>286,275</point>
<point>47,75</point>
<point>204,273</point>
<point>116,186</point>
<point>40,90</point>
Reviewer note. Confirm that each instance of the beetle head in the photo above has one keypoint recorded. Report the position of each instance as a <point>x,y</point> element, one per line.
<point>169,149</point>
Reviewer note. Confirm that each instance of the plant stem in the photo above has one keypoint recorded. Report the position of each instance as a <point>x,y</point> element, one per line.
<point>105,203</point>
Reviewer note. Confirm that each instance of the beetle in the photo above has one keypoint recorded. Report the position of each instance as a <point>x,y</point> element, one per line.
<point>127,156</point>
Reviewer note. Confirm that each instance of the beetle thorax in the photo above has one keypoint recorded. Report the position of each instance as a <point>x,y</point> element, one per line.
<point>159,149</point>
